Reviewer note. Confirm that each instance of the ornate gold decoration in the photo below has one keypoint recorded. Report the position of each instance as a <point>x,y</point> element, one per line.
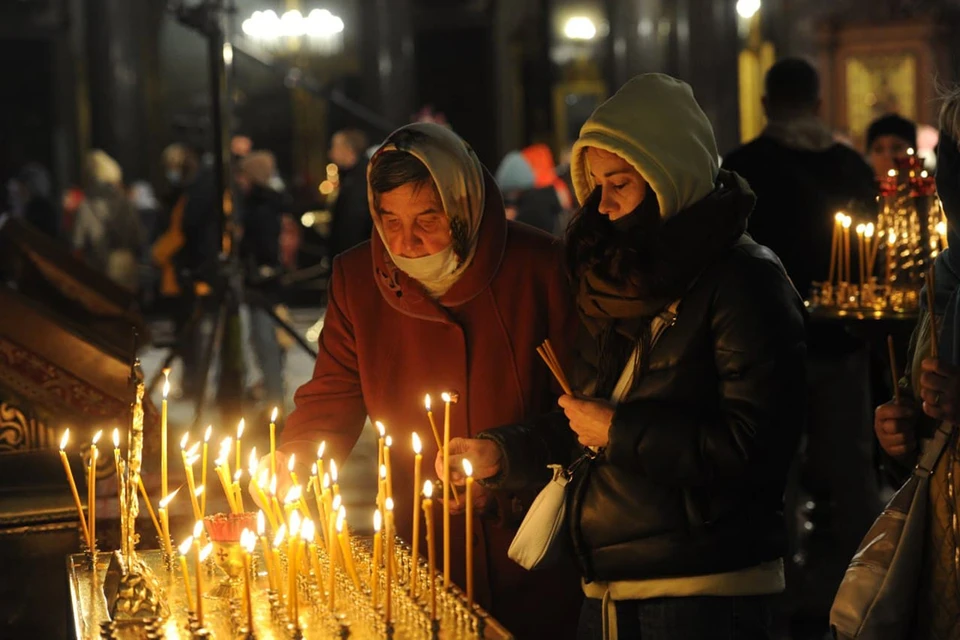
<point>19,431</point>
<point>133,590</point>
<point>878,85</point>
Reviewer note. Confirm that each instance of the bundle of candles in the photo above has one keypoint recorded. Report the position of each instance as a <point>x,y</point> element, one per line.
<point>911,230</point>
<point>319,579</point>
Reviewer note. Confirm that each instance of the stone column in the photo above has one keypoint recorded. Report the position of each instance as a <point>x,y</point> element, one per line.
<point>386,58</point>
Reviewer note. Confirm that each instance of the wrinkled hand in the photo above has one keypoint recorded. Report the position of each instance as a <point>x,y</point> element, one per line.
<point>589,419</point>
<point>484,455</point>
<point>894,425</point>
<point>940,390</point>
<point>284,482</point>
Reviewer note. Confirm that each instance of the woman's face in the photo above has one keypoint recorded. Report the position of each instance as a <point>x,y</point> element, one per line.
<point>622,187</point>
<point>884,153</point>
<point>414,222</point>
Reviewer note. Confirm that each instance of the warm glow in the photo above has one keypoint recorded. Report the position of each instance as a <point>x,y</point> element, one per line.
<point>291,465</point>
<point>337,501</point>
<point>467,468</point>
<point>198,529</point>
<point>248,541</point>
<point>388,442</point>
<point>208,433</point>
<point>892,173</point>
<point>185,545</point>
<point>96,437</point>
<point>383,471</point>
<point>580,28</point>
<point>254,463</point>
<point>240,428</point>
<point>281,534</point>
<point>206,551</point>
<point>891,237</point>
<point>861,229</point>
<point>198,491</point>
<point>325,483</point>
<point>341,516</point>
<point>427,489</point>
<point>273,486</point>
<point>313,469</point>
<point>273,416</point>
<point>238,475</point>
<point>333,471</point>
<point>321,449</point>
<point>166,389</point>
<point>746,9</point>
<point>293,495</point>
<point>924,174</point>
<point>417,445</point>
<point>910,151</point>
<point>388,503</point>
<point>168,499</point>
<point>308,530</point>
<point>261,523</point>
<point>942,228</point>
<point>847,221</point>
<point>427,402</point>
<point>377,520</point>
<point>839,217</point>
<point>382,429</point>
<point>116,438</point>
<point>446,397</point>
<point>192,451</point>
<point>184,440</point>
<point>225,447</point>
<point>870,230</point>
<point>295,522</point>
<point>64,439</point>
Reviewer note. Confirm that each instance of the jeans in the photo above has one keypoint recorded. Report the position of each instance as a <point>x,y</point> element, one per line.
<point>263,336</point>
<point>691,618</point>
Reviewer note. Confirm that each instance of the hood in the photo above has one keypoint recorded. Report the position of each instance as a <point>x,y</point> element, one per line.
<point>654,123</point>
<point>514,173</point>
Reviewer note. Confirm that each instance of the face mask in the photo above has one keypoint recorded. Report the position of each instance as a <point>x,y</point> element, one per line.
<point>431,271</point>
<point>173,176</point>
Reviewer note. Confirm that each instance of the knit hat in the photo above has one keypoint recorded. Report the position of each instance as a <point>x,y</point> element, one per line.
<point>892,125</point>
<point>654,123</point>
<point>514,173</point>
<point>259,166</point>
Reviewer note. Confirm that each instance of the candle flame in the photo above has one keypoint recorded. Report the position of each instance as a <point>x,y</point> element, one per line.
<point>254,463</point>
<point>377,520</point>
<point>839,217</point>
<point>64,439</point>
<point>427,489</point>
<point>262,478</point>
<point>240,427</point>
<point>273,415</point>
<point>446,397</point>
<point>295,522</point>
<point>383,472</point>
<point>891,237</point>
<point>417,445</point>
<point>166,383</point>
<point>198,491</point>
<point>427,402</point>
<point>388,442</point>
<point>168,498</point>
<point>942,228</point>
<point>924,174</point>
<point>198,529</point>
<point>910,151</point>
<point>325,483</point>
<point>192,451</point>
<point>861,229</point>
<point>185,545</point>
<point>208,433</point>
<point>238,475</point>
<point>382,429</point>
<point>291,465</point>
<point>467,468</point>
<point>225,447</point>
<point>847,221</point>
<point>184,440</point>
<point>116,438</point>
<point>206,551</point>
<point>308,530</point>
<point>340,518</point>
<point>333,471</point>
<point>261,523</point>
<point>281,534</point>
<point>388,503</point>
<point>293,495</point>
<point>337,500</point>
<point>248,541</point>
<point>870,230</point>
<point>273,485</point>
<point>313,470</point>
<point>321,449</point>
<point>892,173</point>
<point>96,437</point>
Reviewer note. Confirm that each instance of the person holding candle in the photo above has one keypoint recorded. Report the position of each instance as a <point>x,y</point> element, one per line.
<point>446,296</point>
<point>690,383</point>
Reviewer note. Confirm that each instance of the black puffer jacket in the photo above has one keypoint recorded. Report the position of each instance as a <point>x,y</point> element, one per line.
<point>692,480</point>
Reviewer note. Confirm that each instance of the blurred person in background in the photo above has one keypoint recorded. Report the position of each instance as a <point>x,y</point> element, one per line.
<point>107,232</point>
<point>533,192</point>
<point>31,198</point>
<point>351,223</point>
<point>888,139</point>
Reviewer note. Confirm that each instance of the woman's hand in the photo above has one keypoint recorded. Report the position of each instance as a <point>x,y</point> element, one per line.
<point>940,390</point>
<point>484,455</point>
<point>589,419</point>
<point>894,425</point>
<point>284,481</point>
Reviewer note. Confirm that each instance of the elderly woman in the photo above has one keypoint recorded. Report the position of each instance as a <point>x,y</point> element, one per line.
<point>446,296</point>
<point>691,368</point>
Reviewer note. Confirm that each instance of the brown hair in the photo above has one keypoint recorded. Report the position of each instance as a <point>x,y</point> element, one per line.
<point>391,170</point>
<point>950,112</point>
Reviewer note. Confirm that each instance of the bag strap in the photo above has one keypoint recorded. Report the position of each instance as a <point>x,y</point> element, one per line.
<point>933,450</point>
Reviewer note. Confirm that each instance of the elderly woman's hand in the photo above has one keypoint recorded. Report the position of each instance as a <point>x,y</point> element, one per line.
<point>589,419</point>
<point>940,390</point>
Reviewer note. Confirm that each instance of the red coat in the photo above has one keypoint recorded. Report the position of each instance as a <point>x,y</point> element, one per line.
<point>385,344</point>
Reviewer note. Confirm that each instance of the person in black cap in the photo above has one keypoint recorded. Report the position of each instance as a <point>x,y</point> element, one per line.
<point>889,138</point>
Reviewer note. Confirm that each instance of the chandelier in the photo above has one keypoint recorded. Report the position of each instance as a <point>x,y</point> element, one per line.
<point>319,31</point>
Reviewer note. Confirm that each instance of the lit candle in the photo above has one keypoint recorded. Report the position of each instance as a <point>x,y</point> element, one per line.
<point>257,485</point>
<point>447,399</point>
<point>386,461</point>
<point>248,541</point>
<point>116,458</point>
<point>237,493</point>
<point>431,544</point>
<point>320,451</point>
<point>197,533</point>
<point>293,547</point>
<point>225,482</point>
<point>240,428</point>
<point>415,550</point>
<point>308,533</point>
<point>835,243</point>
<point>869,233</point>
<point>861,229</point>
<point>343,537</point>
<point>202,556</point>
<point>847,221</point>
<point>468,470</point>
<point>92,499</point>
<point>189,458</point>
<point>273,441</point>
<point>332,551</point>
<point>267,559</point>
<point>334,477</point>
<point>274,502</point>
<point>377,553</point>
<point>382,430</point>
<point>891,242</point>
<point>203,467</point>
<point>164,506</point>
<point>277,543</point>
<point>291,465</point>
<point>149,505</point>
<point>164,489</point>
<point>184,550</point>
<point>321,513</point>
<point>433,423</point>
<point>73,486</point>
<point>390,538</point>
<point>291,502</point>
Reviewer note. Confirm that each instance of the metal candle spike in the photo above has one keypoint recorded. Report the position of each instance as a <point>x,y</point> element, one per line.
<point>130,587</point>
